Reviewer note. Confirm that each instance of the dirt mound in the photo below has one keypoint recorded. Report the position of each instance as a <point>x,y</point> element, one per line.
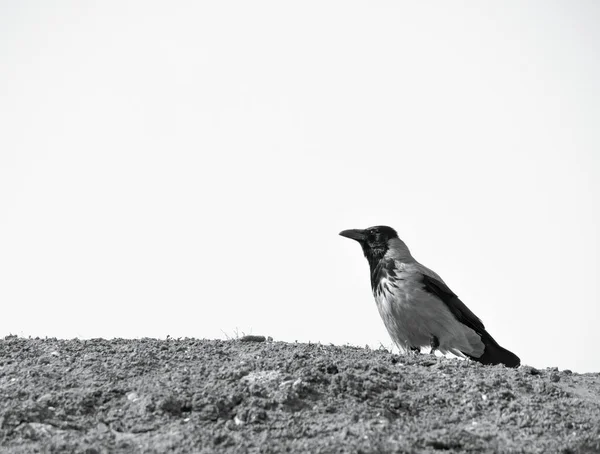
<point>204,396</point>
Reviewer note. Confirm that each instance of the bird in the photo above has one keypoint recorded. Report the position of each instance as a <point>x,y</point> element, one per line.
<point>418,308</point>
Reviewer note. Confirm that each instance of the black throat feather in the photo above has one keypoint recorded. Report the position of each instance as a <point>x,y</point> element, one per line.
<point>379,267</point>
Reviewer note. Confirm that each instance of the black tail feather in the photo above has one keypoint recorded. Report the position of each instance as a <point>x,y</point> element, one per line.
<point>494,354</point>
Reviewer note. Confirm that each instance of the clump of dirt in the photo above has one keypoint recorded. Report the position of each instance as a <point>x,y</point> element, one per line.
<point>204,396</point>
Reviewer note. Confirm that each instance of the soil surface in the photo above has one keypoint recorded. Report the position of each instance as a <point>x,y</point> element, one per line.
<point>257,396</point>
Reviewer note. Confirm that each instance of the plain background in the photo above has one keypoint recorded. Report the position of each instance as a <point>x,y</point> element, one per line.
<point>184,168</point>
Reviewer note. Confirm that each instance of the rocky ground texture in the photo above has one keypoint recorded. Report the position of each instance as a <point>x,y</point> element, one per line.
<point>252,395</point>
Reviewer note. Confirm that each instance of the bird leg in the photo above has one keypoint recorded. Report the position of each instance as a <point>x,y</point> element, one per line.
<point>435,343</point>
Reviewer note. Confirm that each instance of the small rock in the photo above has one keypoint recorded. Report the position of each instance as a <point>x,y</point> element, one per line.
<point>298,385</point>
<point>36,431</point>
<point>45,399</point>
<point>256,415</point>
<point>46,359</point>
<point>222,440</point>
<point>530,370</point>
<point>332,369</point>
<point>208,412</point>
<point>133,396</point>
<point>567,372</point>
<point>252,338</point>
<point>170,405</point>
<point>554,377</point>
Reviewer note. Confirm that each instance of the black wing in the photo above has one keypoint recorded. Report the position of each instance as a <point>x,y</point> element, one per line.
<point>493,353</point>
<point>462,313</point>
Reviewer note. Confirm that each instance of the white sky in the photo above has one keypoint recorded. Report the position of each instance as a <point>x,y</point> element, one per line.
<point>184,168</point>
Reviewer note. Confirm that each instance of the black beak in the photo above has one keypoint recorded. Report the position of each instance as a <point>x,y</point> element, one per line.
<point>354,234</point>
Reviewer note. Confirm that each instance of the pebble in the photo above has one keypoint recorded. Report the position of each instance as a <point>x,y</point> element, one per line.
<point>252,338</point>
<point>45,399</point>
<point>530,370</point>
<point>46,359</point>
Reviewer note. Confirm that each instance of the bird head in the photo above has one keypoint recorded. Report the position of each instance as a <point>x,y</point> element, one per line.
<point>375,241</point>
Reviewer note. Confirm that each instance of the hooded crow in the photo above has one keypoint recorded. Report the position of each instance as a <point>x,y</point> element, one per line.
<point>417,307</point>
